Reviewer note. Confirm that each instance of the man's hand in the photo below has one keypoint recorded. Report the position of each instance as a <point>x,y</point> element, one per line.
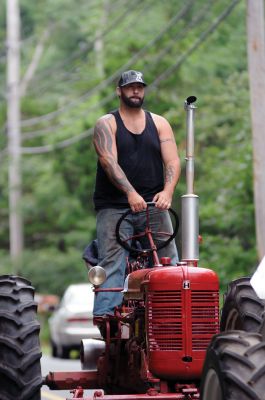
<point>163,200</point>
<point>136,201</point>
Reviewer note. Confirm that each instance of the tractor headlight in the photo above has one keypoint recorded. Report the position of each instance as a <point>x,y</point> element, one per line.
<point>96,275</point>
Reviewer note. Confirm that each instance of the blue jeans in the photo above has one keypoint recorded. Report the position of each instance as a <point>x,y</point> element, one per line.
<point>112,257</point>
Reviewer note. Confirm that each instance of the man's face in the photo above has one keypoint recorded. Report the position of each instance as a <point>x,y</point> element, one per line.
<point>132,95</point>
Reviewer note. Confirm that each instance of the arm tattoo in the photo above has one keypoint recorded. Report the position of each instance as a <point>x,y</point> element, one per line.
<point>169,173</point>
<point>103,141</point>
<point>103,137</point>
<point>118,177</point>
<point>166,140</point>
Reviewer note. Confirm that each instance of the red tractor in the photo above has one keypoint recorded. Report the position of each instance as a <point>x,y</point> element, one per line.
<point>165,341</point>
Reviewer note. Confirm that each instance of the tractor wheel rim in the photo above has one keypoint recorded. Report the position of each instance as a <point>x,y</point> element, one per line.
<point>232,321</point>
<point>212,388</point>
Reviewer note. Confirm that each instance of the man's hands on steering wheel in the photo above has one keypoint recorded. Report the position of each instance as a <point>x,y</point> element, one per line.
<point>136,202</point>
<point>161,200</point>
<point>161,237</point>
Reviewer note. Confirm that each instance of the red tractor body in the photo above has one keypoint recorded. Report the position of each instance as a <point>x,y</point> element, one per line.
<point>182,314</point>
<point>161,335</point>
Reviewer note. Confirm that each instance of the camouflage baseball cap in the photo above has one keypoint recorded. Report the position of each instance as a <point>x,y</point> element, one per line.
<point>131,76</point>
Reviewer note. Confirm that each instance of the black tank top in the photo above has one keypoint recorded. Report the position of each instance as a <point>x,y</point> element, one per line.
<point>139,156</point>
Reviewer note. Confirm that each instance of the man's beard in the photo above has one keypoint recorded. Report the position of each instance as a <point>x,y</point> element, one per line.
<point>132,103</point>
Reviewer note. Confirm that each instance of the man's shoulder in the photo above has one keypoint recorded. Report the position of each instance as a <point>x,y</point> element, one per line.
<point>106,117</point>
<point>106,120</point>
<point>159,120</point>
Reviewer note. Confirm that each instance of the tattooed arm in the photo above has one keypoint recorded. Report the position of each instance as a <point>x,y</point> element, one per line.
<point>105,145</point>
<point>171,162</point>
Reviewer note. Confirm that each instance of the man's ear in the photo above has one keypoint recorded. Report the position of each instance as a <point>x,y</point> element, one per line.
<point>118,91</point>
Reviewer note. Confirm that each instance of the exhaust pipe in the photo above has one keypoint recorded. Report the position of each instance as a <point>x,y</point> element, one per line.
<point>190,201</point>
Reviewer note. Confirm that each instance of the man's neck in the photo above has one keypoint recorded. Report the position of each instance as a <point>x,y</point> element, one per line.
<point>133,119</point>
<point>131,111</point>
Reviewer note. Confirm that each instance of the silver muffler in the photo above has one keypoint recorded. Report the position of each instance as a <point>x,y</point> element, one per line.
<point>90,351</point>
<point>190,201</point>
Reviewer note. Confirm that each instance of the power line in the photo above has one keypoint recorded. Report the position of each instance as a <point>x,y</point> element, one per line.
<point>115,75</point>
<point>49,129</point>
<point>41,132</point>
<point>90,45</point>
<point>34,36</point>
<point>103,102</point>
<point>63,144</point>
<point>197,43</point>
<point>31,135</point>
<point>153,86</point>
<point>70,75</point>
<point>101,85</point>
<point>194,21</point>
<point>111,96</point>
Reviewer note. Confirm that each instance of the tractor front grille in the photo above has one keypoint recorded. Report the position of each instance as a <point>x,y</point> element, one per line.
<point>164,321</point>
<point>205,317</point>
<point>167,327</point>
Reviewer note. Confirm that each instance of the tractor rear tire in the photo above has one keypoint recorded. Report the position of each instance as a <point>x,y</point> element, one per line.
<point>234,367</point>
<point>243,309</point>
<point>20,370</point>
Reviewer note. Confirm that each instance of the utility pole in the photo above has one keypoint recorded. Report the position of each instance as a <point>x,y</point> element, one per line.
<point>13,130</point>
<point>256,67</point>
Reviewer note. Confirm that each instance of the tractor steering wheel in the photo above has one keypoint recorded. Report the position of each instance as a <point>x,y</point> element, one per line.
<point>154,234</point>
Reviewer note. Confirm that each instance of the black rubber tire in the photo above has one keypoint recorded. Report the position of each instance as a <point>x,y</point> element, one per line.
<point>234,367</point>
<point>243,309</point>
<point>63,352</point>
<point>53,349</point>
<point>20,370</point>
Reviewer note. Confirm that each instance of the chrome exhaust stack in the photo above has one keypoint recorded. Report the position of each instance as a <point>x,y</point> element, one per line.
<point>190,201</point>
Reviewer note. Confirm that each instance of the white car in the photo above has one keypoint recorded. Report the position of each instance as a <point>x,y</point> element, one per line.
<point>72,320</point>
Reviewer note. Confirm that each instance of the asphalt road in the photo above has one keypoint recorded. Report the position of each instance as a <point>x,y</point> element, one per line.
<point>54,364</point>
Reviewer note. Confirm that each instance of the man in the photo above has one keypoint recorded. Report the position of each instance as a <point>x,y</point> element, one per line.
<point>137,162</point>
